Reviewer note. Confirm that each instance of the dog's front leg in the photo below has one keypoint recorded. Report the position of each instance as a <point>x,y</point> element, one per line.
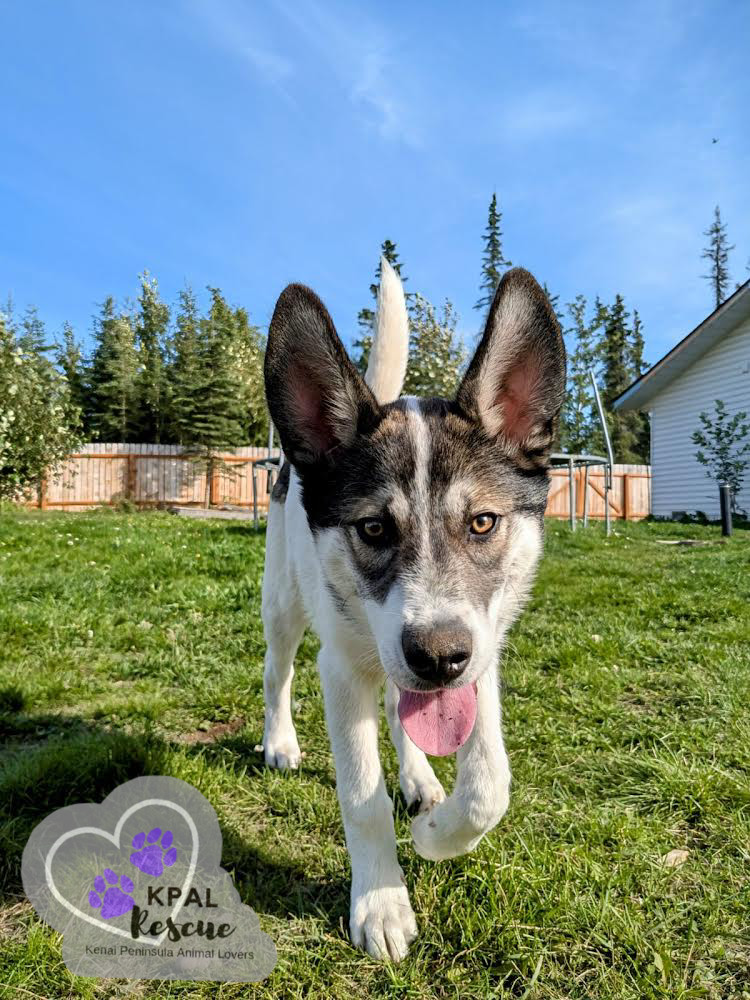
<point>481,793</point>
<point>381,919</point>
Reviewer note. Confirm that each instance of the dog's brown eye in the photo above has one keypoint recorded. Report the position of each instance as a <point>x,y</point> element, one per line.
<point>483,524</point>
<point>372,530</point>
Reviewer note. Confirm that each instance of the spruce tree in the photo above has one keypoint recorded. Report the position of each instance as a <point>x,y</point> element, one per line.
<point>70,362</point>
<point>218,418</point>
<point>96,375</point>
<point>636,346</point>
<point>366,316</point>
<point>493,259</point>
<point>32,338</point>
<point>185,373</point>
<point>639,418</point>
<point>616,375</point>
<point>580,430</point>
<point>554,301</point>
<point>717,254</point>
<point>112,378</point>
<point>152,323</point>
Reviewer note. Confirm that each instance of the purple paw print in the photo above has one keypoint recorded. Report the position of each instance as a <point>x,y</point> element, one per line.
<point>153,852</point>
<point>110,898</point>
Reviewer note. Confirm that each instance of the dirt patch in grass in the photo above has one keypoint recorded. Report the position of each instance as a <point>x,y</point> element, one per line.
<point>212,732</point>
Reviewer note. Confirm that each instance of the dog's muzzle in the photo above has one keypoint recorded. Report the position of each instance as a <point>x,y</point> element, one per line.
<point>437,654</point>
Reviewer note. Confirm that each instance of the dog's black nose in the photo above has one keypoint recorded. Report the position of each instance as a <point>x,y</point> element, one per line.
<point>438,653</point>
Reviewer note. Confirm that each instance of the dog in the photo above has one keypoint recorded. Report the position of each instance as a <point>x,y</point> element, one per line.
<point>406,532</point>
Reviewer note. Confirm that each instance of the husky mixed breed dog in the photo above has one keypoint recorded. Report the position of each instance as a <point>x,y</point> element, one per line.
<point>406,532</point>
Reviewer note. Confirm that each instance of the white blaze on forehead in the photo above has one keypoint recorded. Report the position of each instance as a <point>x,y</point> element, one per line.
<point>424,600</point>
<point>422,445</point>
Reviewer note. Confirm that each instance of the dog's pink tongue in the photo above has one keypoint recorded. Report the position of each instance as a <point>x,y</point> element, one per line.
<point>439,722</point>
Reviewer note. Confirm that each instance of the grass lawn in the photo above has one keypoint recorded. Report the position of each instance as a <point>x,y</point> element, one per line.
<point>132,644</point>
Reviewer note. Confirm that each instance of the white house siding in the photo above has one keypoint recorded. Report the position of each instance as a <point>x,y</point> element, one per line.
<point>679,482</point>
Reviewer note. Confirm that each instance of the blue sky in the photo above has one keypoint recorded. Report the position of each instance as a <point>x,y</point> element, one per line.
<point>248,144</point>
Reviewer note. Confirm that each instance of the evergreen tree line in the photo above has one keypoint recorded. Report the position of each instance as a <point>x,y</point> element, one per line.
<point>169,375</point>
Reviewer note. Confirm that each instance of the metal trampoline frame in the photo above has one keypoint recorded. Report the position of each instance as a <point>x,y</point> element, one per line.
<point>272,466</point>
<point>573,462</point>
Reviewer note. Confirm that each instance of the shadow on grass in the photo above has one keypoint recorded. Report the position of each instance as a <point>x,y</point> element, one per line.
<point>246,528</point>
<point>49,761</point>
<point>738,523</point>
<point>241,747</point>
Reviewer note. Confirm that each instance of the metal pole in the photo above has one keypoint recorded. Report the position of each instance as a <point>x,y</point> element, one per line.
<point>725,502</point>
<point>572,492</point>
<point>608,443</point>
<point>586,495</point>
<point>255,497</point>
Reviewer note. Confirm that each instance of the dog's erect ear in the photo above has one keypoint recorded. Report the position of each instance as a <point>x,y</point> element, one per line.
<point>515,383</point>
<point>316,397</point>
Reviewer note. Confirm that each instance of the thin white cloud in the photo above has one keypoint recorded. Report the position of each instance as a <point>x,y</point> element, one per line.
<point>235,28</point>
<point>369,90</point>
<point>362,58</point>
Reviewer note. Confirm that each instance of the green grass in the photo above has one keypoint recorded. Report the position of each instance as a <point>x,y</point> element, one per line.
<point>126,638</point>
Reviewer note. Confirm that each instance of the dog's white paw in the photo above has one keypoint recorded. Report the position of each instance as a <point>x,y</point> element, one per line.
<point>448,831</point>
<point>420,786</point>
<point>282,752</point>
<point>382,922</point>
<point>441,833</point>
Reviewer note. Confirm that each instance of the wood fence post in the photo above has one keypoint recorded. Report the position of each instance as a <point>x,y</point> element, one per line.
<point>581,487</point>
<point>214,487</point>
<point>132,474</point>
<point>43,493</point>
<point>572,471</point>
<point>626,496</point>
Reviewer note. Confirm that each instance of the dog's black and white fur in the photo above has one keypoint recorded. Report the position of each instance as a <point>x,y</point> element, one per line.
<point>373,540</point>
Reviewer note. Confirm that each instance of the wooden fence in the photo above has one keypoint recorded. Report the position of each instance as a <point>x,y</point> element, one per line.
<point>630,498</point>
<point>152,475</point>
